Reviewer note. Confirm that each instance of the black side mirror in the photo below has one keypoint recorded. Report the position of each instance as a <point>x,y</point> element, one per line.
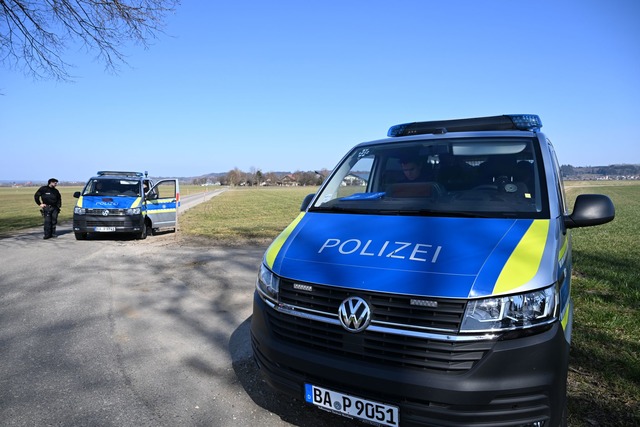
<point>76,194</point>
<point>589,210</point>
<point>306,202</point>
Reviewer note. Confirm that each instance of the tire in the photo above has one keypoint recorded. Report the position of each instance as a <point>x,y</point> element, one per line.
<point>81,236</point>
<point>143,233</point>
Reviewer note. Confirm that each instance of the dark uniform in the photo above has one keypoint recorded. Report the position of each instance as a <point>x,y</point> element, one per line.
<point>49,199</point>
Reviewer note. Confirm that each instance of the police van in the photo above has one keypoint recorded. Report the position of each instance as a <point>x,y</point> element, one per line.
<point>125,202</point>
<point>427,282</point>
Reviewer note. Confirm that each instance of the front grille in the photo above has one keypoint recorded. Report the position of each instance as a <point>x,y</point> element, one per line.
<point>397,310</point>
<point>112,212</point>
<point>400,344</point>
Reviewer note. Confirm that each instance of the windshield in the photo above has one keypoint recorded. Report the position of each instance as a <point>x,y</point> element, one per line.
<point>112,187</point>
<point>486,177</point>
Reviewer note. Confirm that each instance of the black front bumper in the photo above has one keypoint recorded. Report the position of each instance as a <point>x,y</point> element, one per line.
<point>121,224</point>
<point>515,383</point>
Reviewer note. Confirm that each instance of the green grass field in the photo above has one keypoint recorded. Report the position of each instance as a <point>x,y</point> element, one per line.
<point>18,210</point>
<point>245,215</point>
<point>604,377</point>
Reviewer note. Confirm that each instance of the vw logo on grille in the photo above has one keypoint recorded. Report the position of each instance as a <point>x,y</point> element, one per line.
<point>105,212</point>
<point>354,314</point>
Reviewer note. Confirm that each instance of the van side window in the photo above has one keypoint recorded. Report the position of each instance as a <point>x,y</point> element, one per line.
<point>558,180</point>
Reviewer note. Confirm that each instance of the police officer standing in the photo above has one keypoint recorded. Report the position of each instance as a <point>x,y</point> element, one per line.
<point>49,199</point>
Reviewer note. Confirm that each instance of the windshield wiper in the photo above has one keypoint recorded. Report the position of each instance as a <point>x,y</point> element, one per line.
<point>341,209</point>
<point>449,214</point>
<point>466,214</point>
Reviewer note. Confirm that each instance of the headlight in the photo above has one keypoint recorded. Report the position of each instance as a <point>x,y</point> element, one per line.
<point>133,211</point>
<point>511,312</point>
<point>268,283</point>
<point>79,211</point>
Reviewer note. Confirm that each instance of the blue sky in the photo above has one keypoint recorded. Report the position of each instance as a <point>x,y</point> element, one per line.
<point>292,85</point>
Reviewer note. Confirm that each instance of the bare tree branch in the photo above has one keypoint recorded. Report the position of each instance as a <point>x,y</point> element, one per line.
<point>34,34</point>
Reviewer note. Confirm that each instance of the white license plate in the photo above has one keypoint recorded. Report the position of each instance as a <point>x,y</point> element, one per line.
<point>351,406</point>
<point>104,229</point>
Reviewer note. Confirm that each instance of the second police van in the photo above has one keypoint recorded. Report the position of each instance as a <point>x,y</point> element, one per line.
<point>125,202</point>
<point>427,282</point>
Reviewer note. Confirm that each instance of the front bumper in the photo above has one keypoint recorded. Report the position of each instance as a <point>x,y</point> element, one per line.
<point>515,383</point>
<point>120,224</point>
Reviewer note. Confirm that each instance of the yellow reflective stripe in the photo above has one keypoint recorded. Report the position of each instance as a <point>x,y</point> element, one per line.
<point>525,260</point>
<point>277,244</point>
<point>565,317</point>
<point>80,201</point>
<point>563,249</point>
<point>136,202</point>
<point>155,211</point>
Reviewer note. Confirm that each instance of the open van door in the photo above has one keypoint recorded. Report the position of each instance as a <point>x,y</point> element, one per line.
<point>163,201</point>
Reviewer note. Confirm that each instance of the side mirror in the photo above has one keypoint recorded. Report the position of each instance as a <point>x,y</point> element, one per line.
<point>76,194</point>
<point>589,210</point>
<point>306,202</point>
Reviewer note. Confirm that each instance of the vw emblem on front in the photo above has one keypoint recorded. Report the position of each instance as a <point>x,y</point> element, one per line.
<point>354,314</point>
<point>105,212</point>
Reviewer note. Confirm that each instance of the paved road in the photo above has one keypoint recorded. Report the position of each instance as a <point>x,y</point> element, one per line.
<point>192,200</point>
<point>117,332</point>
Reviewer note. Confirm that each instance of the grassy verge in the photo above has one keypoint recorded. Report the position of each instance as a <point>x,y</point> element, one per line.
<point>604,378</point>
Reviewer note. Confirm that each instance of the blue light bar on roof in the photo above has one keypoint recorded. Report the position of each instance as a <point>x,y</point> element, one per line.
<point>529,122</point>
<point>526,121</point>
<point>119,173</point>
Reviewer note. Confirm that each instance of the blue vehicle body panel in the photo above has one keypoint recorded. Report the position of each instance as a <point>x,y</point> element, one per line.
<point>425,256</point>
<point>120,202</point>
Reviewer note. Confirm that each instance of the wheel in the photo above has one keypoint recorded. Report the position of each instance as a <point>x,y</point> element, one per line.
<point>143,233</point>
<point>81,236</point>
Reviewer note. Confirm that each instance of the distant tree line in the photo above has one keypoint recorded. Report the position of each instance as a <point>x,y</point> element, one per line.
<point>255,177</point>
<point>626,171</point>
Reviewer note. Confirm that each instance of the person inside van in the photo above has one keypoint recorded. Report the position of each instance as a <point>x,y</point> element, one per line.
<point>414,169</point>
<point>416,179</point>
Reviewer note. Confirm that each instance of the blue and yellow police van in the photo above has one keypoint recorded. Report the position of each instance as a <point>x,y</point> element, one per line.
<point>125,202</point>
<point>427,282</point>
